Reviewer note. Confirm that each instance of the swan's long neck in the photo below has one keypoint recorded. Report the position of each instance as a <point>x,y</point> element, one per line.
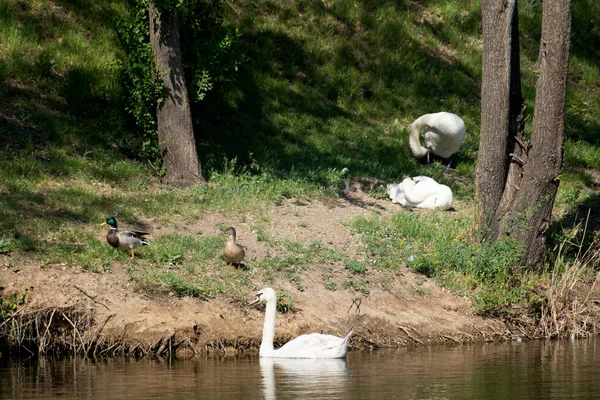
<point>266,346</point>
<point>414,139</point>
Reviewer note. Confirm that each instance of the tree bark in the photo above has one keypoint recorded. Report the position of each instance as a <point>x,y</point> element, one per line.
<point>501,104</point>
<point>527,173</point>
<point>535,195</point>
<point>174,118</point>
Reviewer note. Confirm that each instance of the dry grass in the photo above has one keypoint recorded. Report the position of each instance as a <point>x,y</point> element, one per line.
<point>48,330</point>
<point>72,330</point>
<point>572,306</point>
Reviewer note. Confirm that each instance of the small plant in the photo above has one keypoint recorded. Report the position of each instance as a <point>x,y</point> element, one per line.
<point>261,233</point>
<point>284,302</point>
<point>6,245</point>
<point>329,284</point>
<point>356,267</point>
<point>180,287</point>
<point>572,302</point>
<point>379,193</point>
<point>420,289</point>
<point>359,286</point>
<point>10,305</point>
<point>140,79</point>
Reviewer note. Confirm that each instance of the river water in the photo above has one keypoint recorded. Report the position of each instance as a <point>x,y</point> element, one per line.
<point>525,370</point>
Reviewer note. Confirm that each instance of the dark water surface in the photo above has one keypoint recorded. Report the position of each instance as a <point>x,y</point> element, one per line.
<point>526,370</point>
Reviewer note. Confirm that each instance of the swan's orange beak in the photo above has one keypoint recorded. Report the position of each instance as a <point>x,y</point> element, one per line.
<point>256,300</point>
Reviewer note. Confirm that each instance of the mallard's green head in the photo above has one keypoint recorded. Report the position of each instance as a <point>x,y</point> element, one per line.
<point>112,221</point>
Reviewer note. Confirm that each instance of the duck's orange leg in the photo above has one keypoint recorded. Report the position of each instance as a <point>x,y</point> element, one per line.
<point>131,254</point>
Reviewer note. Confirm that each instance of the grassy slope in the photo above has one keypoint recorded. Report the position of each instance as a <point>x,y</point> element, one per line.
<point>326,85</point>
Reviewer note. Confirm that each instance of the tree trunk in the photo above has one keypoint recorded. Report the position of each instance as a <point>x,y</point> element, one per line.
<point>532,170</point>
<point>174,118</point>
<point>501,106</point>
<point>535,194</point>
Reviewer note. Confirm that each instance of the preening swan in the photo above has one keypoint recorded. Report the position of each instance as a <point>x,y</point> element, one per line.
<point>314,345</point>
<point>421,192</point>
<point>444,133</point>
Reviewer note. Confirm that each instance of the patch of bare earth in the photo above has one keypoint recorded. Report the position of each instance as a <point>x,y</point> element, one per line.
<point>400,309</point>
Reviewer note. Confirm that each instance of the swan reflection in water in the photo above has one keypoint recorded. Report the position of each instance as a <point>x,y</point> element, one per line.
<point>317,378</point>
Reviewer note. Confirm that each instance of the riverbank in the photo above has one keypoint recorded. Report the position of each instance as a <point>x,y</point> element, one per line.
<point>105,312</point>
<point>273,140</point>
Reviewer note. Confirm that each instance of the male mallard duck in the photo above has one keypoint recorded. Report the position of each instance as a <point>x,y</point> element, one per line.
<point>124,240</point>
<point>233,252</point>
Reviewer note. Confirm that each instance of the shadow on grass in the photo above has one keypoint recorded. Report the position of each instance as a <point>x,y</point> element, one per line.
<point>299,108</point>
<point>29,216</point>
<point>49,93</point>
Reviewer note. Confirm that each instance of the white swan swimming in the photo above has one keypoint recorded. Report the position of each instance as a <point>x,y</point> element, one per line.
<point>444,133</point>
<point>421,192</point>
<point>314,345</point>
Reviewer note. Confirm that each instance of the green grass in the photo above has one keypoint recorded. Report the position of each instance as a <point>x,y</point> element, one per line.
<point>188,266</point>
<point>292,259</point>
<point>58,75</point>
<point>441,248</point>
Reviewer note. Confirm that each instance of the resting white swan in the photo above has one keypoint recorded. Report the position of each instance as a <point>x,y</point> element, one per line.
<point>314,345</point>
<point>444,134</point>
<point>421,192</point>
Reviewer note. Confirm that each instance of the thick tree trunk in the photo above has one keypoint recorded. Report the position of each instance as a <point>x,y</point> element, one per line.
<point>174,119</point>
<point>527,173</point>
<point>501,104</point>
<point>534,196</point>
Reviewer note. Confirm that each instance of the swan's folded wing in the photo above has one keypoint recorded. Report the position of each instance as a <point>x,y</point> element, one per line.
<point>441,200</point>
<point>312,341</point>
<point>309,345</point>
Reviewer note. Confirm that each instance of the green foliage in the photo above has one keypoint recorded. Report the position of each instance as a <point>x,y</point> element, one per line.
<point>284,302</point>
<point>356,267</point>
<point>329,284</point>
<point>178,285</point>
<point>209,55</point>
<point>438,246</point>
<point>139,78</point>
<point>358,285</point>
<point>7,245</point>
<point>10,304</point>
<point>211,50</point>
<point>485,261</point>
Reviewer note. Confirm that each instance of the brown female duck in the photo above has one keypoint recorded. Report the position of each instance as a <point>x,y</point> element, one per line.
<point>233,252</point>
